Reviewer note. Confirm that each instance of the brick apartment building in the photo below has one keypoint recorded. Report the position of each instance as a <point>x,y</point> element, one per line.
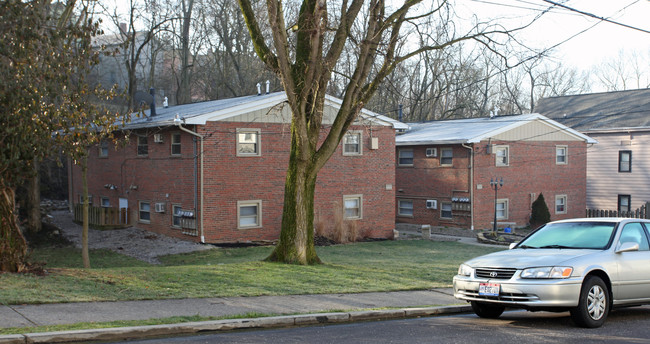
<point>444,170</point>
<point>214,171</point>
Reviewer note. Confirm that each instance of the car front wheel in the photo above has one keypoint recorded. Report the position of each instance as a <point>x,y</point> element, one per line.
<point>593,305</point>
<point>486,310</point>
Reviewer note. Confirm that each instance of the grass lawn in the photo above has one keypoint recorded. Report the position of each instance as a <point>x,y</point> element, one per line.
<point>352,268</point>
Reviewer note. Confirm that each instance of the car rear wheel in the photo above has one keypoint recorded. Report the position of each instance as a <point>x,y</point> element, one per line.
<point>486,310</point>
<point>593,305</point>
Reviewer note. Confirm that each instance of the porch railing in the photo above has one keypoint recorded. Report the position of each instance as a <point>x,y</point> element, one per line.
<point>103,216</point>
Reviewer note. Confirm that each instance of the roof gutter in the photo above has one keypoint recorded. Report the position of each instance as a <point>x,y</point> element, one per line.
<point>179,124</point>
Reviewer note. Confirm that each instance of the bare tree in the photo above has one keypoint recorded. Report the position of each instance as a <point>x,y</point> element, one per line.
<point>135,46</point>
<point>626,71</point>
<point>229,66</point>
<point>304,51</point>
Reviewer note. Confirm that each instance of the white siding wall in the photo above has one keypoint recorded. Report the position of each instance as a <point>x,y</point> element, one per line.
<point>605,183</point>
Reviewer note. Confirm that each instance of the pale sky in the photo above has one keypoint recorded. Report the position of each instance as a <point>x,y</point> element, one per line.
<point>604,40</point>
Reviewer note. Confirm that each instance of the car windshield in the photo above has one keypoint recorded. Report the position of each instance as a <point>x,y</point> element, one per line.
<point>578,235</point>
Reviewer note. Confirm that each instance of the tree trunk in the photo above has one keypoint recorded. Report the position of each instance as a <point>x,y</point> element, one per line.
<point>296,244</point>
<point>84,233</point>
<point>34,224</point>
<point>13,247</point>
<point>185,94</point>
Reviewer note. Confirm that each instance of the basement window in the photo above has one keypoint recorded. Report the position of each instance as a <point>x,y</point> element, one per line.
<point>249,214</point>
<point>352,207</point>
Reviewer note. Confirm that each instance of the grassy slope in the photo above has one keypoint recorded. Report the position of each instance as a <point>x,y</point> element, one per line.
<point>352,268</point>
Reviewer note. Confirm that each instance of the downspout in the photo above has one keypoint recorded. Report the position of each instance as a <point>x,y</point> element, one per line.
<point>471,184</point>
<point>178,123</point>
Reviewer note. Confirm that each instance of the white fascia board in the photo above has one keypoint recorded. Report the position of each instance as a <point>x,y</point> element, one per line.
<point>237,110</point>
<point>430,142</point>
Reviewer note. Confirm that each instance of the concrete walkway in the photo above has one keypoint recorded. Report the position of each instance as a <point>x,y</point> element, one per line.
<point>312,309</point>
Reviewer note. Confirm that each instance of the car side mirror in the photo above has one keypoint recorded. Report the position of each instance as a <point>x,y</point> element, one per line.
<point>512,245</point>
<point>628,247</point>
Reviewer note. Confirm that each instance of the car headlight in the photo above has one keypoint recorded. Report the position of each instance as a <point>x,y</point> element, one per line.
<point>465,270</point>
<point>547,272</point>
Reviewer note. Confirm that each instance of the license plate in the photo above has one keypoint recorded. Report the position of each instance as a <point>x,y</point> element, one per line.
<point>489,289</point>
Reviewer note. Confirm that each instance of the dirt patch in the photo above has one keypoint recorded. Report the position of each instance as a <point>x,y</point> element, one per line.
<point>134,242</point>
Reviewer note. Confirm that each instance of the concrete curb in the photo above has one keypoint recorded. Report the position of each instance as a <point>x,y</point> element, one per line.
<point>140,332</point>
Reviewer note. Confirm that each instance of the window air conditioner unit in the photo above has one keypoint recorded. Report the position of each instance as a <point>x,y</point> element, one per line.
<point>432,152</point>
<point>160,207</point>
<point>432,204</point>
<point>157,138</point>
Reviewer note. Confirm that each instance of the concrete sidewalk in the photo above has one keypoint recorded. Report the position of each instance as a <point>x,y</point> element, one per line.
<point>314,309</point>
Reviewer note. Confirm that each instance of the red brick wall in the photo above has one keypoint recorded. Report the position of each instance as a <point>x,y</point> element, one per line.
<point>427,179</point>
<point>532,169</point>
<point>157,177</point>
<point>229,179</point>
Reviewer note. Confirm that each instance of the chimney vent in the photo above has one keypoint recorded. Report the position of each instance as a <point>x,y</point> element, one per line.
<point>152,106</point>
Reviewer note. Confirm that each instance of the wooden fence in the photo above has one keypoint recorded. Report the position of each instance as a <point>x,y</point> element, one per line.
<point>103,216</point>
<point>641,213</point>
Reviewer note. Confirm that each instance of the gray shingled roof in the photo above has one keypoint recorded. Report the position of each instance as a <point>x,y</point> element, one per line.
<point>599,111</point>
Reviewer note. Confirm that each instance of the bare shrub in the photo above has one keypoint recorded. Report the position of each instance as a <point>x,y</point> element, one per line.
<point>353,230</point>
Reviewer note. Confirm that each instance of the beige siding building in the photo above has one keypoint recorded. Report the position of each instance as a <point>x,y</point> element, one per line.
<point>618,167</point>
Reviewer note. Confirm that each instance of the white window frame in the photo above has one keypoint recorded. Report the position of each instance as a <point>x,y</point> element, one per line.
<point>103,149</point>
<point>142,145</point>
<point>564,156</point>
<point>176,216</point>
<point>442,156</point>
<point>563,199</point>
<point>501,152</point>
<point>443,206</point>
<point>173,144</point>
<point>90,199</point>
<point>400,206</point>
<point>504,211</point>
<point>105,202</point>
<point>257,217</point>
<point>359,199</point>
<point>399,156</point>
<point>141,211</point>
<point>359,144</point>
<point>258,141</point>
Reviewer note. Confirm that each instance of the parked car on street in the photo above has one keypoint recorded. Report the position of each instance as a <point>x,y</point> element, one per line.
<point>585,266</point>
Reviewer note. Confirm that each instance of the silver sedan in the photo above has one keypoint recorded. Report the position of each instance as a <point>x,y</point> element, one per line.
<point>586,266</point>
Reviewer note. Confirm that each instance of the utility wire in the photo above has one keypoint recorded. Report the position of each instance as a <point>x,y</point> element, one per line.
<point>598,17</point>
